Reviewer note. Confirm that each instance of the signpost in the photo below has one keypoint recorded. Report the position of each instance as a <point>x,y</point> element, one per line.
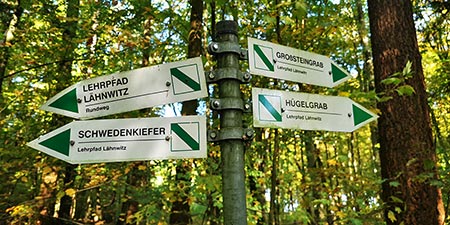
<point>131,90</point>
<point>282,109</point>
<point>281,62</point>
<point>119,140</point>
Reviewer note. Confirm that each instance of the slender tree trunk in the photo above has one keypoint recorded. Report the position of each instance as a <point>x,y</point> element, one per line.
<point>313,165</point>
<point>365,78</point>
<point>6,43</point>
<point>180,213</point>
<point>274,191</point>
<point>69,35</point>
<point>407,151</point>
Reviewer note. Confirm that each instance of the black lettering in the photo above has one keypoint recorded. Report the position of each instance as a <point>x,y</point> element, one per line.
<point>80,134</point>
<point>102,85</point>
<point>124,80</point>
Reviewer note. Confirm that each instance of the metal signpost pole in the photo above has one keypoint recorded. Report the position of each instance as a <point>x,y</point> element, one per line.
<point>231,107</point>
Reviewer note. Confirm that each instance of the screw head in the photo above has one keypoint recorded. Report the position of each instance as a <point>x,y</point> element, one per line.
<point>213,135</point>
<point>215,46</point>
<point>168,83</point>
<point>216,104</point>
<point>247,76</point>
<point>349,115</point>
<point>211,75</point>
<point>167,138</point>
<point>72,142</point>
<point>79,100</point>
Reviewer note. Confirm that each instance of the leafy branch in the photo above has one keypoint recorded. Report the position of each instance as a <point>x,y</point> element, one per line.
<point>398,84</point>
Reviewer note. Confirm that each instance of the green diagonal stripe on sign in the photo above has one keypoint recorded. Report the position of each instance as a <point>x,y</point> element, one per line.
<point>269,107</point>
<point>264,58</point>
<point>187,138</point>
<point>185,79</point>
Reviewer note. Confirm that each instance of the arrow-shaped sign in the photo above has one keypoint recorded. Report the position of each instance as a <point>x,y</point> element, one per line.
<point>119,140</point>
<point>281,62</point>
<point>282,109</point>
<point>131,90</point>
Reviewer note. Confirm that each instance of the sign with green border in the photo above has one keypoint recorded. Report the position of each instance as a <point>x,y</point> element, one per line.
<point>282,62</point>
<point>295,110</point>
<point>118,140</point>
<point>131,90</point>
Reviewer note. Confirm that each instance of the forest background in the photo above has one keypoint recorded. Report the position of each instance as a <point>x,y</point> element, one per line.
<point>292,176</point>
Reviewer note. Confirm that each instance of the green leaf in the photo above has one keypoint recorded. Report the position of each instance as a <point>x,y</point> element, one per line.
<point>396,200</point>
<point>394,183</point>
<point>405,90</point>
<point>391,80</point>
<point>407,70</point>
<point>385,98</point>
<point>437,183</point>
<point>356,221</point>
<point>391,216</point>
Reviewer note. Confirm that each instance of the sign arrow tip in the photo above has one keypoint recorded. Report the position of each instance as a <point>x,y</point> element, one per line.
<point>338,73</point>
<point>360,115</point>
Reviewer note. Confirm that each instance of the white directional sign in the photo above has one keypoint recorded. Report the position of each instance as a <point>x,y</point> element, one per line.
<point>119,140</point>
<point>282,109</point>
<point>131,90</point>
<point>281,62</point>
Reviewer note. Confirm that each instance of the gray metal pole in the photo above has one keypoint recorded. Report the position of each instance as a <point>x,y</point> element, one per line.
<point>227,53</point>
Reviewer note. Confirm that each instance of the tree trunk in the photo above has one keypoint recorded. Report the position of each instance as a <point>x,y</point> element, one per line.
<point>407,152</point>
<point>7,42</point>
<point>314,165</point>
<point>195,47</point>
<point>66,69</point>
<point>180,213</point>
<point>274,214</point>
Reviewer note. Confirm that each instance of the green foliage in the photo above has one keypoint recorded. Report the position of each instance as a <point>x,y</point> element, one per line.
<point>397,83</point>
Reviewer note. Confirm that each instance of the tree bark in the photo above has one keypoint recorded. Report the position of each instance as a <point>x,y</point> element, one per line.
<point>180,213</point>
<point>66,69</point>
<point>6,43</point>
<point>407,151</point>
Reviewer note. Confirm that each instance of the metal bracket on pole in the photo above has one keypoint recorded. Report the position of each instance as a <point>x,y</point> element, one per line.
<point>227,73</point>
<point>227,47</point>
<point>235,133</point>
<point>230,103</point>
